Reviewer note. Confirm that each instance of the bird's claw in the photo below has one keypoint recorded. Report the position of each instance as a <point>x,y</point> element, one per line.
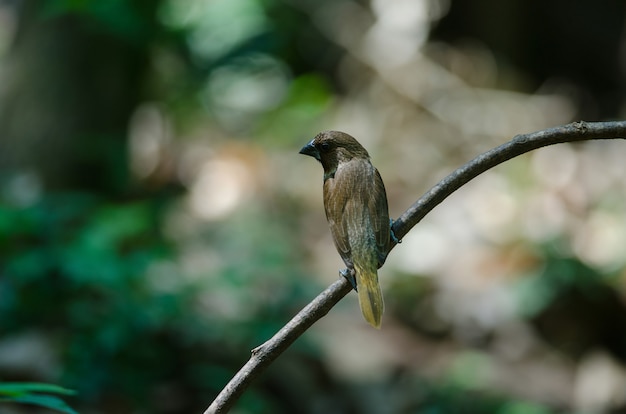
<point>350,276</point>
<point>392,234</point>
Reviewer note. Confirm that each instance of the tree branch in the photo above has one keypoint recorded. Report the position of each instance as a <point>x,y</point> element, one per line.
<point>264,354</point>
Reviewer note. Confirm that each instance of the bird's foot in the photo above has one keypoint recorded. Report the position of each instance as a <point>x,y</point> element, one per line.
<point>350,276</point>
<point>392,234</point>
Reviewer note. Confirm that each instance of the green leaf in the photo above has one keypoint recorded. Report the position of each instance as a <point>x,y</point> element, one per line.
<point>26,387</point>
<point>48,401</point>
<point>35,394</point>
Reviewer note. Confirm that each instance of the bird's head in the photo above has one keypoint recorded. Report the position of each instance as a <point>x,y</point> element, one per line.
<point>332,148</point>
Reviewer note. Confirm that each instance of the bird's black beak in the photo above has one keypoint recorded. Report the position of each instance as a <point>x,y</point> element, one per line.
<point>309,149</point>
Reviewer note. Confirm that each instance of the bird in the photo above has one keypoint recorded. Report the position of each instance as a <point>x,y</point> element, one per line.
<point>357,212</point>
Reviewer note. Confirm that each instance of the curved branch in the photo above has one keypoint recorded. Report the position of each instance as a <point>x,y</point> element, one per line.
<point>264,354</point>
<point>520,144</point>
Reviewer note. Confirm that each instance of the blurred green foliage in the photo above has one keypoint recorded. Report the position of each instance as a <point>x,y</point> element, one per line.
<point>97,278</point>
<point>574,306</point>
<point>88,268</point>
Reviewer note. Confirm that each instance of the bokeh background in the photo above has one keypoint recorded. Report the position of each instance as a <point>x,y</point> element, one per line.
<point>157,221</point>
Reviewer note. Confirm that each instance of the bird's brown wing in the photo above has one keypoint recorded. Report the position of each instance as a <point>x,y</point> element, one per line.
<point>379,214</point>
<point>354,200</point>
<point>337,190</point>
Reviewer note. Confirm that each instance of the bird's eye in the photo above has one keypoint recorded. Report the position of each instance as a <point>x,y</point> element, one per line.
<point>324,146</point>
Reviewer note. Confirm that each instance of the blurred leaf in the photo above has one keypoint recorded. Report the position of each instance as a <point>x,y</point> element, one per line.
<point>46,401</point>
<point>122,18</point>
<point>34,393</point>
<point>18,388</point>
<point>216,28</point>
<point>308,98</point>
<point>412,300</point>
<point>522,408</point>
<point>11,223</point>
<point>471,370</point>
<point>557,275</point>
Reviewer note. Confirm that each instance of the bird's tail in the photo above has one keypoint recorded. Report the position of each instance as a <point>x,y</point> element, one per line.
<point>370,295</point>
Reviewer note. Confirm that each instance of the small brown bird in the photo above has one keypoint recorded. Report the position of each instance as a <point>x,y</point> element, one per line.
<point>356,209</point>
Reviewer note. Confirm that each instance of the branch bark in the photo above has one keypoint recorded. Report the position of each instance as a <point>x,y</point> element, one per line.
<point>264,354</point>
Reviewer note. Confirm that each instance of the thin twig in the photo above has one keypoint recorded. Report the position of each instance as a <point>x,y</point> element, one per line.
<point>264,354</point>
